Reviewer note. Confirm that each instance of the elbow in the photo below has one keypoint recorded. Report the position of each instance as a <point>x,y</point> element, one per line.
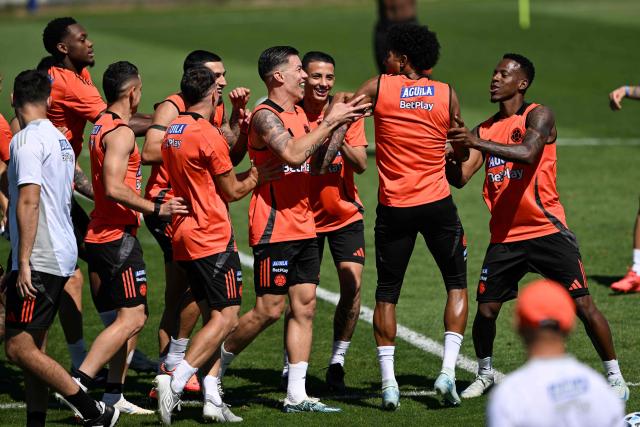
<point>360,168</point>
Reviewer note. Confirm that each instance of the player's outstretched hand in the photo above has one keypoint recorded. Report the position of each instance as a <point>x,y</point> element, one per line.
<point>244,118</point>
<point>239,97</point>
<point>615,98</point>
<point>344,112</point>
<point>175,206</point>
<point>26,290</point>
<point>460,135</point>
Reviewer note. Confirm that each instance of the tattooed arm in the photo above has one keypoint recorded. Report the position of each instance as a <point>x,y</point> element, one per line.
<point>82,183</point>
<point>541,130</point>
<point>324,156</point>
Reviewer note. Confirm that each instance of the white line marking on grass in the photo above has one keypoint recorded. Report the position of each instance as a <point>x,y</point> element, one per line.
<point>414,338</point>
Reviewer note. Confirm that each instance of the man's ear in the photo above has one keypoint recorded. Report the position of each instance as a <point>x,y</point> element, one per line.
<point>62,48</point>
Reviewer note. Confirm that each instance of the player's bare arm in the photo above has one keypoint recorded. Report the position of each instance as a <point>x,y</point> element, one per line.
<point>295,151</point>
<point>82,184</point>
<point>540,131</point>
<point>369,90</point>
<point>27,213</point>
<point>164,114</point>
<point>459,173</point>
<point>617,95</point>
<point>119,145</point>
<point>460,152</point>
<point>232,188</point>
<point>322,158</point>
<point>14,124</point>
<point>140,123</point>
<point>356,156</point>
<point>239,124</point>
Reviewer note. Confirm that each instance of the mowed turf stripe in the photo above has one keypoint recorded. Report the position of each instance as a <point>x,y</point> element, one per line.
<point>414,338</point>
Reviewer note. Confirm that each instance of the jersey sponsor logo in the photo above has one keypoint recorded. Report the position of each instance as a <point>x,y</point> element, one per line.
<point>414,91</point>
<point>176,129</point>
<point>284,263</point>
<point>172,142</point>
<point>568,389</point>
<point>507,173</point>
<point>280,266</point>
<point>280,280</point>
<point>516,135</point>
<point>416,105</point>
<point>483,274</point>
<point>238,276</point>
<point>96,129</point>
<point>64,145</point>
<point>67,151</point>
<point>303,168</point>
<point>141,276</point>
<point>495,161</point>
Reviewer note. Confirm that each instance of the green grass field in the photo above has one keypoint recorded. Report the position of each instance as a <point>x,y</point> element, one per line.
<point>582,49</point>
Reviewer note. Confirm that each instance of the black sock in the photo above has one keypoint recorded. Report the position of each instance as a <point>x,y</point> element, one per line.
<point>36,419</point>
<point>113,388</point>
<point>85,404</point>
<point>85,379</point>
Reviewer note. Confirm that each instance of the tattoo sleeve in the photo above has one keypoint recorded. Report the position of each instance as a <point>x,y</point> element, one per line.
<point>325,155</point>
<point>272,131</point>
<point>229,131</point>
<point>82,183</point>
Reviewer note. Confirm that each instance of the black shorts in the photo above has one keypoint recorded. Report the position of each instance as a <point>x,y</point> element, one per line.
<point>122,273</point>
<point>395,233</point>
<point>276,266</point>
<point>80,221</point>
<point>38,314</point>
<point>555,256</point>
<point>216,279</point>
<point>161,231</point>
<point>346,243</point>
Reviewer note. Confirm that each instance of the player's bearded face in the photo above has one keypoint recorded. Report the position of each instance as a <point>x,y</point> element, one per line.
<point>320,81</point>
<point>294,78</point>
<point>79,47</point>
<point>220,72</point>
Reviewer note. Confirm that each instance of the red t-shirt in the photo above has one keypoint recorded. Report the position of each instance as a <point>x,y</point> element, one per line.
<point>280,210</point>
<point>74,101</point>
<point>108,218</point>
<point>194,151</point>
<point>523,199</point>
<point>5,139</point>
<point>333,195</point>
<point>411,122</point>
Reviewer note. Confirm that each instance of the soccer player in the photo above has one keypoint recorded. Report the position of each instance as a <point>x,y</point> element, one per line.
<point>116,267</point>
<point>528,228</point>
<point>552,388</point>
<point>337,209</point>
<point>631,281</point>
<point>199,168</point>
<point>44,252</point>
<point>5,138</point>
<point>74,101</point>
<point>281,225</point>
<point>412,114</point>
<point>173,335</point>
<point>390,13</point>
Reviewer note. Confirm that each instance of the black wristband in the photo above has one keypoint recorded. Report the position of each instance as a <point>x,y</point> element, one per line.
<point>158,127</point>
<point>156,208</point>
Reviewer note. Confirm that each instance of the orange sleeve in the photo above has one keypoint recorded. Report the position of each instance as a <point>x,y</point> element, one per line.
<point>356,136</point>
<point>216,152</point>
<point>86,101</point>
<point>5,139</point>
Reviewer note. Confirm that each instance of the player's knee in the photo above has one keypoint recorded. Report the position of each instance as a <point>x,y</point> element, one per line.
<point>14,349</point>
<point>387,293</point>
<point>488,311</point>
<point>585,308</point>
<point>271,313</point>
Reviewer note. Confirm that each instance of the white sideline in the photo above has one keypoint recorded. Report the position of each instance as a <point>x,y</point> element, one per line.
<point>414,338</point>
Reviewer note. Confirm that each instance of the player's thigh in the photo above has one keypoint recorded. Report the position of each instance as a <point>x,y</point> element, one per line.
<point>504,265</point>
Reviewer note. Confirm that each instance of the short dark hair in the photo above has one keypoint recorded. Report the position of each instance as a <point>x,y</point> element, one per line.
<point>199,57</point>
<point>417,42</point>
<point>195,84</point>
<point>115,78</point>
<point>525,65</point>
<point>272,58</point>
<point>46,63</point>
<point>54,32</point>
<point>30,87</point>
<point>316,56</point>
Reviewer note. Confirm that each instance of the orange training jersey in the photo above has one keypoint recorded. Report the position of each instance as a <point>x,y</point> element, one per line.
<point>5,139</point>
<point>523,199</point>
<point>280,210</point>
<point>411,122</point>
<point>333,195</point>
<point>74,101</point>
<point>194,151</point>
<point>158,183</point>
<point>108,218</point>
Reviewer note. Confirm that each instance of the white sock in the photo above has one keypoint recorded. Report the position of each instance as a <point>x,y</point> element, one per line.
<point>636,261</point>
<point>452,343</point>
<point>108,317</point>
<point>226,357</point>
<point>296,391</point>
<point>611,368</point>
<point>285,364</point>
<point>385,358</point>
<point>485,366</point>
<point>111,398</point>
<point>181,375</point>
<point>339,352</point>
<point>177,348</point>
<point>211,392</point>
<point>78,352</point>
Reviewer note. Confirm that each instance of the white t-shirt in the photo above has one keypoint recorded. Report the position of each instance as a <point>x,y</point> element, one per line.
<point>554,392</point>
<point>41,155</point>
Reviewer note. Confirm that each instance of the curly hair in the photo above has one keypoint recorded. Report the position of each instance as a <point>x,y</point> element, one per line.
<point>54,32</point>
<point>417,42</point>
